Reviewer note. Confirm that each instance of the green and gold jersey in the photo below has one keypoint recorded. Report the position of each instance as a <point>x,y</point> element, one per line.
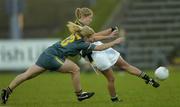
<point>71,37</point>
<point>72,46</point>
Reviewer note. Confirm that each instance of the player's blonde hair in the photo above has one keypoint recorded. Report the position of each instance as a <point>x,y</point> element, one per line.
<point>85,31</point>
<point>79,12</point>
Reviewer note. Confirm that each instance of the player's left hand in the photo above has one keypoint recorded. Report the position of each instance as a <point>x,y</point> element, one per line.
<point>114,33</point>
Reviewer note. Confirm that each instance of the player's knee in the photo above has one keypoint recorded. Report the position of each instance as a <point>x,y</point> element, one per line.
<point>76,70</point>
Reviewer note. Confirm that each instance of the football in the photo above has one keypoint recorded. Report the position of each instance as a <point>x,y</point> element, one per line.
<point>161,73</point>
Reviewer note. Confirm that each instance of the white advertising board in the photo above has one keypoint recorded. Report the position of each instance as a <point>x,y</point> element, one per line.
<point>20,54</point>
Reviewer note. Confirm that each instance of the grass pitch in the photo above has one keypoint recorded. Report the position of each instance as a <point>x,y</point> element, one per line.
<point>55,90</point>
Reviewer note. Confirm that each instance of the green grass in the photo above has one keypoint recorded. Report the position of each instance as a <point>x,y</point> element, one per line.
<point>55,90</point>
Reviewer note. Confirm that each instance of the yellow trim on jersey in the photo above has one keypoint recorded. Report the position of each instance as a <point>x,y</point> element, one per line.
<point>70,39</point>
<point>77,36</point>
<point>58,60</point>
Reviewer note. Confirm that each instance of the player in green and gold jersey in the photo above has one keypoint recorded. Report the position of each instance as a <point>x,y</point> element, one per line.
<point>55,58</point>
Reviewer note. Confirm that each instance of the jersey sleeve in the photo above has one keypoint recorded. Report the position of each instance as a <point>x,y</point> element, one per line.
<point>87,46</point>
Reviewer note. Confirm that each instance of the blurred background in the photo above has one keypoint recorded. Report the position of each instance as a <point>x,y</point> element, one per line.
<point>152,29</point>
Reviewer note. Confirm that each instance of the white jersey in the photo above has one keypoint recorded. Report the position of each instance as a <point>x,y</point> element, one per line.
<point>104,59</point>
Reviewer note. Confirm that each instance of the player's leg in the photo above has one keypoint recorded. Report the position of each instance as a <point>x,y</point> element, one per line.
<point>32,72</point>
<point>74,70</point>
<point>135,71</point>
<point>111,87</point>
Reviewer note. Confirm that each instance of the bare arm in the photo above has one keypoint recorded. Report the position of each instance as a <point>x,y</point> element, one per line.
<point>103,33</point>
<point>102,37</point>
<point>98,38</point>
<point>108,45</point>
<point>112,30</point>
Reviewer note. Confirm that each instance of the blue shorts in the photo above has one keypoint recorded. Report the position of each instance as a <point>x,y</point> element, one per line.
<point>50,60</point>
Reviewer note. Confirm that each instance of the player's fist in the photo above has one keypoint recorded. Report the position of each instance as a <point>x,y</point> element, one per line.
<point>114,29</point>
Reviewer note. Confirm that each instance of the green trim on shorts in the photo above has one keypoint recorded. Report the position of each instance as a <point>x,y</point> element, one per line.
<point>58,60</point>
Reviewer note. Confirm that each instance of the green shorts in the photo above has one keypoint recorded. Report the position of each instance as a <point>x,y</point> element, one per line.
<point>50,60</point>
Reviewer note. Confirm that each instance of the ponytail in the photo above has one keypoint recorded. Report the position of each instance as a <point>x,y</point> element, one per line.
<point>78,13</point>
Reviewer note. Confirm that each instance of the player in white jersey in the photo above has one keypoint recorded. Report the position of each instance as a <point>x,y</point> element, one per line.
<point>103,60</point>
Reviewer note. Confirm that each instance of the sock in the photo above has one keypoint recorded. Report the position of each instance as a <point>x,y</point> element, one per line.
<point>78,93</point>
<point>144,76</point>
<point>9,90</point>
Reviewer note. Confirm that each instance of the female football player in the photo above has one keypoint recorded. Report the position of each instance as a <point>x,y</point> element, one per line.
<point>103,60</point>
<point>55,58</point>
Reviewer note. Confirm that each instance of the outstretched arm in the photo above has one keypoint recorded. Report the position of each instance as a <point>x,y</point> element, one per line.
<point>103,33</point>
<point>98,38</point>
<point>107,32</point>
<point>108,45</point>
<point>111,34</point>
